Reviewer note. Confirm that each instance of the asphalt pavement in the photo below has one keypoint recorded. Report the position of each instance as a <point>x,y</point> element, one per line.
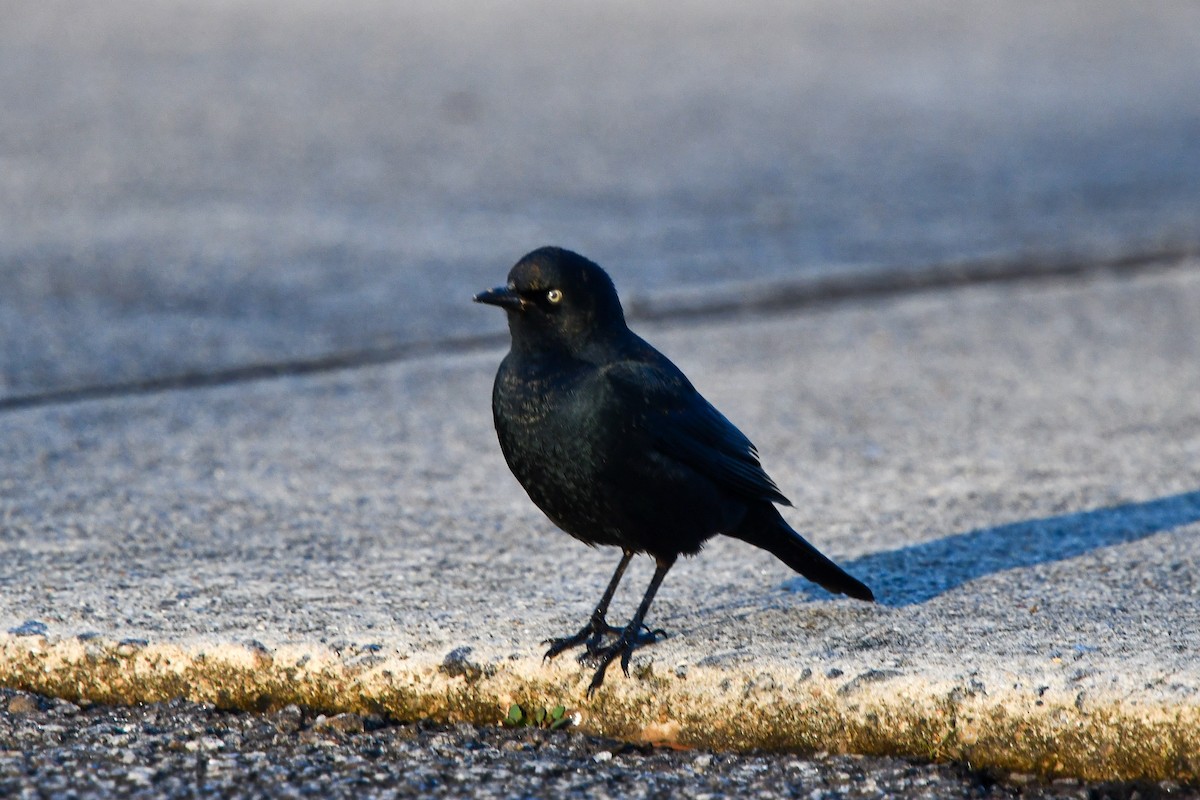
<point>936,261</point>
<point>184,750</point>
<point>189,189</point>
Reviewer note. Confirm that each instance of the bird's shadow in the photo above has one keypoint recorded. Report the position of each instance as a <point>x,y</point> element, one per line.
<point>919,572</point>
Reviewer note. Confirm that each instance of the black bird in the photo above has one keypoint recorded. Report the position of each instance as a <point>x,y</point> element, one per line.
<point>615,445</point>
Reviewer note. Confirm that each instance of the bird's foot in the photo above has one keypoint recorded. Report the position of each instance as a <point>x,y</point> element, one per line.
<point>632,637</point>
<point>590,635</point>
<point>644,636</point>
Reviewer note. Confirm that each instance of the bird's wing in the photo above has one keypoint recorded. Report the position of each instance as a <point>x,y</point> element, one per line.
<point>686,427</point>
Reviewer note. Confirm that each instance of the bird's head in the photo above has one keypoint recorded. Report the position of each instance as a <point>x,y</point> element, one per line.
<point>557,299</point>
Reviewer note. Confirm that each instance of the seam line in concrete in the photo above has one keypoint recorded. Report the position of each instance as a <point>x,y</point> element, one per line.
<point>736,299</point>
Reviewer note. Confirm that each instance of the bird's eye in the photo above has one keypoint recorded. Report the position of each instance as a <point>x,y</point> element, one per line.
<point>554,295</point>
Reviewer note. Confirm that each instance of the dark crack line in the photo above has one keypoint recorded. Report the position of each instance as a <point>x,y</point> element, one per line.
<point>735,300</point>
<point>332,362</point>
<point>782,296</point>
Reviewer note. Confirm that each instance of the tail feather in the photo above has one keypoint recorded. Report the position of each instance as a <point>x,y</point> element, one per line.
<point>764,527</point>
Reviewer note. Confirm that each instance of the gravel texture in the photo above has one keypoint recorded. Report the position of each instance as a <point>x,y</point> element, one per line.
<point>53,748</point>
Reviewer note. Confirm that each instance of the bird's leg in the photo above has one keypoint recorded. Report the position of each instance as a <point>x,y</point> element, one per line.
<point>632,635</point>
<point>597,626</point>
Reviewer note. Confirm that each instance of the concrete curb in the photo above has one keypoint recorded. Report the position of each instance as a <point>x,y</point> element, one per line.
<point>1061,731</point>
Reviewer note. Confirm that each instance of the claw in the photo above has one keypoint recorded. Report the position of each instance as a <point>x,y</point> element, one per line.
<point>630,639</point>
<point>559,645</point>
<point>590,636</point>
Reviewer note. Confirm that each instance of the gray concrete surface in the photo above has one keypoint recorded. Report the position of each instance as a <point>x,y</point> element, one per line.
<point>193,187</point>
<point>1013,469</point>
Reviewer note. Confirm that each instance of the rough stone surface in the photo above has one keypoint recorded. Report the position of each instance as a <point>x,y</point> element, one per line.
<point>233,183</point>
<point>1014,470</point>
<point>176,749</point>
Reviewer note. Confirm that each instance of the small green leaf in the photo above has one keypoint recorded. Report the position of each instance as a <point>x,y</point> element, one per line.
<point>539,716</point>
<point>557,712</point>
<point>561,722</point>
<point>515,715</point>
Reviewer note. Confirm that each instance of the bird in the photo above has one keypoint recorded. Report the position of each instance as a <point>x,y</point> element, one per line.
<point>617,447</point>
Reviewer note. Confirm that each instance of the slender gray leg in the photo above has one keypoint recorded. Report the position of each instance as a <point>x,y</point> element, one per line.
<point>597,626</point>
<point>632,635</point>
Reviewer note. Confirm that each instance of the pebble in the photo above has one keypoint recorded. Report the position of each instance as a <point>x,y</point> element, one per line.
<point>22,704</point>
<point>289,718</point>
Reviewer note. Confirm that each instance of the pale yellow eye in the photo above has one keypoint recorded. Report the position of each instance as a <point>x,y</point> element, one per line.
<point>554,295</point>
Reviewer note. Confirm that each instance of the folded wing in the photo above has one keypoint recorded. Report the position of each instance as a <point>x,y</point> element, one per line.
<point>686,427</point>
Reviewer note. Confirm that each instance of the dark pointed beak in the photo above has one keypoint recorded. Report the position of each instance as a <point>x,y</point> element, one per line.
<point>501,296</point>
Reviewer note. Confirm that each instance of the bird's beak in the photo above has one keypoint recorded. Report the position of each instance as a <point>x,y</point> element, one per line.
<point>501,296</point>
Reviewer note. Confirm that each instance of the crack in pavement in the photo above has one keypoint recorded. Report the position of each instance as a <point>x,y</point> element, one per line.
<point>711,301</point>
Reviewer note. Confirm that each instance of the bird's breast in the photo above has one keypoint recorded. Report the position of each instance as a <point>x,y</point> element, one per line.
<point>557,444</point>
<point>586,460</point>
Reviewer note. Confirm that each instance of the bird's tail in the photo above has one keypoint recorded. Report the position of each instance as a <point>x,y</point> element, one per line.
<point>764,527</point>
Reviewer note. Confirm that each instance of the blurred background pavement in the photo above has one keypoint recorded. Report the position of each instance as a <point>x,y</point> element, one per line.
<point>193,187</point>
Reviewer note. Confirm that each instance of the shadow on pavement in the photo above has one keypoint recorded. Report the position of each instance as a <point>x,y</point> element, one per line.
<point>920,572</point>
